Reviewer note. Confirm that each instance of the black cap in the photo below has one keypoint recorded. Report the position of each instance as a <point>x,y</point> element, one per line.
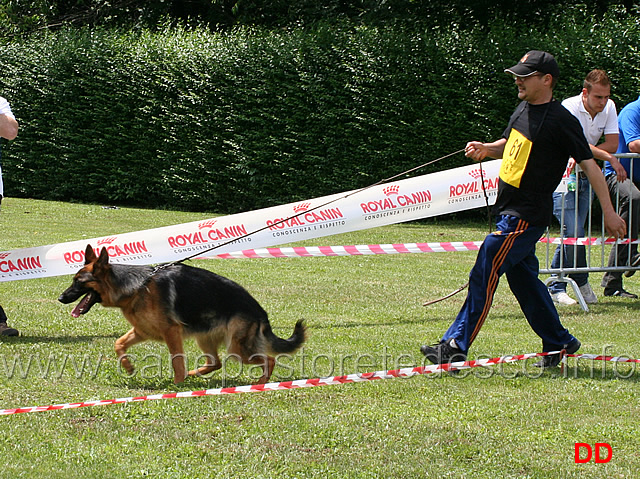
<point>535,62</point>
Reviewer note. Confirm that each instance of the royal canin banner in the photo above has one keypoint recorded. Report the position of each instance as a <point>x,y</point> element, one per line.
<point>395,202</point>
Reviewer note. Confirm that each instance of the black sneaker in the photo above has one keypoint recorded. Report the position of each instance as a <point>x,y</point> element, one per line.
<point>553,360</point>
<point>7,331</point>
<point>443,352</point>
<point>635,262</point>
<point>619,292</point>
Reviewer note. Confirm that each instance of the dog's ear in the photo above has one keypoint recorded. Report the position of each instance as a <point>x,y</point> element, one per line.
<point>103,260</point>
<point>89,255</point>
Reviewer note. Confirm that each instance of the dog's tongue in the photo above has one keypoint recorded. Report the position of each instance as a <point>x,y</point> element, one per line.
<point>83,306</point>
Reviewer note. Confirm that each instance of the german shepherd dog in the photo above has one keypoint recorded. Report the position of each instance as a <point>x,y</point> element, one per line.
<point>177,301</point>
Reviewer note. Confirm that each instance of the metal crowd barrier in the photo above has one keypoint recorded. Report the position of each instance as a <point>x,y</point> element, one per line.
<point>597,255</point>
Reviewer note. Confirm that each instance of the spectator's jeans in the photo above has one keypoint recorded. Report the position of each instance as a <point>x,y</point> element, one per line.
<point>629,209</point>
<point>573,227</point>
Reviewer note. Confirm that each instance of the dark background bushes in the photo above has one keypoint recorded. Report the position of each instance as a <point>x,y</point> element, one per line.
<point>251,116</point>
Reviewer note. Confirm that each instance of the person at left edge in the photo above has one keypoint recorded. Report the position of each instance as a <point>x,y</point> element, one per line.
<point>539,138</point>
<point>8,130</point>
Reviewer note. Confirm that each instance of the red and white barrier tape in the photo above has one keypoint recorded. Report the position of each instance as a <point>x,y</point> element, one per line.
<point>307,383</point>
<point>286,385</point>
<point>399,248</point>
<point>595,357</point>
<point>586,241</point>
<point>307,251</point>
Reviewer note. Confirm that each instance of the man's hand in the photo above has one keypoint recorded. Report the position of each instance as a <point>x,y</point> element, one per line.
<point>615,225</point>
<point>621,173</point>
<point>476,150</point>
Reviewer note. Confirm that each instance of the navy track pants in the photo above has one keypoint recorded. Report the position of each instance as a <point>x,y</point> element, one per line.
<point>510,250</point>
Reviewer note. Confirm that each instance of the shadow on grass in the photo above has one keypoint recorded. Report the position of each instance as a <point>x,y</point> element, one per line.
<point>24,339</point>
<point>359,324</point>
<point>606,301</point>
<point>598,371</point>
<point>581,373</point>
<point>165,385</point>
<point>581,370</point>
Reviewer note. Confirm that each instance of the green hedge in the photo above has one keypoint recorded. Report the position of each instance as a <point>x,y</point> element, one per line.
<point>250,118</point>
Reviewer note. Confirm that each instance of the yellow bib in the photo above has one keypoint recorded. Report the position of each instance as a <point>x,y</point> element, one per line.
<point>515,158</point>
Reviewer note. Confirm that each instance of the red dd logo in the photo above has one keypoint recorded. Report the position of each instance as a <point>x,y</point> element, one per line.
<point>583,446</point>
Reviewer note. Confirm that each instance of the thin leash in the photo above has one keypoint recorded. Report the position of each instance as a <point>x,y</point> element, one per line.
<point>486,199</point>
<point>162,266</point>
<point>464,286</point>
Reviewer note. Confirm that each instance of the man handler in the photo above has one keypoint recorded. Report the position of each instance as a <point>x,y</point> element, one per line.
<point>539,138</point>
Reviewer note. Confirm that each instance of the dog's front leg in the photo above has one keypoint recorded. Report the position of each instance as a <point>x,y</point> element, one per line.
<point>173,338</point>
<point>124,343</point>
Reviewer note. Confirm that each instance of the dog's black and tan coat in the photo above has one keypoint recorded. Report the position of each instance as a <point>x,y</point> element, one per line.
<point>179,301</point>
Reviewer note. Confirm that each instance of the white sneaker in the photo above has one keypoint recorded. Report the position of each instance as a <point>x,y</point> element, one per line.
<point>563,298</point>
<point>588,294</point>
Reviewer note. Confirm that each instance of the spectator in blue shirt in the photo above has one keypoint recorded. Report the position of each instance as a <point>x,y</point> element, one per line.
<point>629,199</point>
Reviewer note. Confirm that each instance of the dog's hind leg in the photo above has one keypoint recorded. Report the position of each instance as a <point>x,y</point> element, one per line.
<point>261,359</point>
<point>268,363</point>
<point>173,338</point>
<point>125,342</point>
<point>247,345</point>
<point>209,346</point>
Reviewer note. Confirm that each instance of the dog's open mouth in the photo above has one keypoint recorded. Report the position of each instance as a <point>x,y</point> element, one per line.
<point>85,304</point>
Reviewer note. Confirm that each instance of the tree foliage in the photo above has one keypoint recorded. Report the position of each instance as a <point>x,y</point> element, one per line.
<point>27,16</point>
<point>251,116</point>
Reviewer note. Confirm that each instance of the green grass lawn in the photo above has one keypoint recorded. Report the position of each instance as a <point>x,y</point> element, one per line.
<point>364,313</point>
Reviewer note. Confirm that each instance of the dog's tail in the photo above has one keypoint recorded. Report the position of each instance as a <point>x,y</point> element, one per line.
<point>279,345</point>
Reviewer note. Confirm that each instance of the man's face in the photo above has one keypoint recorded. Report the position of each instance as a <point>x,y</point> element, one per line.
<point>532,88</point>
<point>595,100</point>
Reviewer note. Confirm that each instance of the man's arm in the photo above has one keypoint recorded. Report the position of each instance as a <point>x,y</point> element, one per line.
<point>609,145</point>
<point>8,127</point>
<point>478,151</point>
<point>603,152</point>
<point>634,146</point>
<point>613,223</point>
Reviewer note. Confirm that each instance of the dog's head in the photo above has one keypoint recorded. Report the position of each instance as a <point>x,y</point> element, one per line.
<point>87,282</point>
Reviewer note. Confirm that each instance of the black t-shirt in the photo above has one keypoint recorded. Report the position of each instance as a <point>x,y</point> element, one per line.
<point>555,135</point>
